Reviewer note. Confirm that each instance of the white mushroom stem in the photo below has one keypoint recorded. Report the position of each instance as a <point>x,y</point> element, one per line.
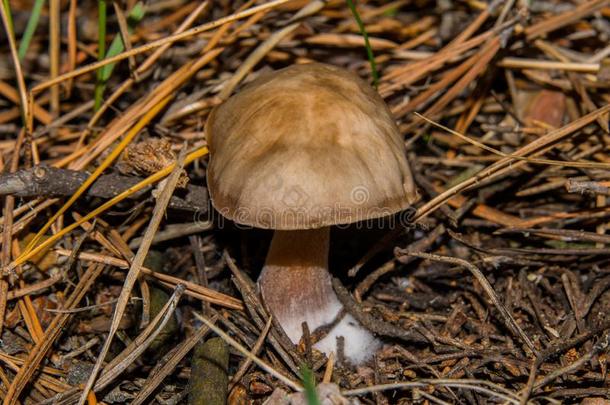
<point>296,287</point>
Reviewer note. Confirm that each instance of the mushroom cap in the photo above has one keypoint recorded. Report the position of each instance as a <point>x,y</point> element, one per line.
<point>305,147</point>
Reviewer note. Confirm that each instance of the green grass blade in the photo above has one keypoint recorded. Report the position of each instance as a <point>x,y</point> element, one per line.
<point>116,46</point>
<point>7,8</point>
<point>101,29</point>
<point>101,50</point>
<point>367,44</point>
<point>309,385</point>
<point>30,28</point>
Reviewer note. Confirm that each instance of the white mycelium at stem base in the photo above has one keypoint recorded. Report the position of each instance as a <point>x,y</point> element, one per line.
<point>296,287</point>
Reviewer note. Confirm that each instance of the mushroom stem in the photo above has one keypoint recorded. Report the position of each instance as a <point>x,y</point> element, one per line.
<point>295,283</point>
<point>296,286</point>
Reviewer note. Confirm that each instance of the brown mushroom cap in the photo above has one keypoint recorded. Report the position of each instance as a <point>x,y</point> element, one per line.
<point>305,147</point>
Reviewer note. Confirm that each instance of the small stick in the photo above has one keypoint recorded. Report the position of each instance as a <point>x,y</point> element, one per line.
<point>330,365</point>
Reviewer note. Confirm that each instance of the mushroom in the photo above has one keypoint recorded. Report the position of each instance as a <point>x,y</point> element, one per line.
<point>299,150</point>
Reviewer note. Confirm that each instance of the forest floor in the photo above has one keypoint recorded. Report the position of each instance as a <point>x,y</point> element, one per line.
<point>496,291</point>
